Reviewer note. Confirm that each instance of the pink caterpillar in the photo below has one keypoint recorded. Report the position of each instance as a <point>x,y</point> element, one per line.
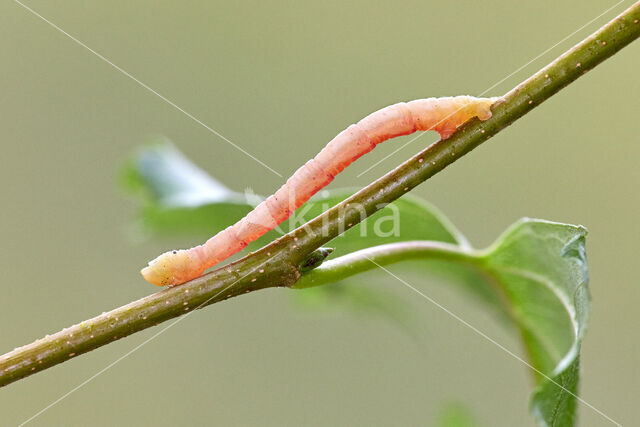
<point>443,115</point>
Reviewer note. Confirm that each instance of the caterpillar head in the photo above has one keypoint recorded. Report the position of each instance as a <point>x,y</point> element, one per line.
<point>173,268</point>
<point>482,107</point>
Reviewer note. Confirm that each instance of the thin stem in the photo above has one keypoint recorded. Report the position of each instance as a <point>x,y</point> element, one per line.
<point>278,263</point>
<point>370,258</point>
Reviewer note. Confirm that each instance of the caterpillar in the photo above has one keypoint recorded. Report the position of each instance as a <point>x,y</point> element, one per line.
<point>443,115</point>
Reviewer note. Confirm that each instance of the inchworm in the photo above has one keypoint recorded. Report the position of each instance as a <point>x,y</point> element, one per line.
<point>443,115</point>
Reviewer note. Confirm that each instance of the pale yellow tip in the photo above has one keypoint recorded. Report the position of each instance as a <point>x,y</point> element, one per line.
<point>173,268</point>
<point>152,275</point>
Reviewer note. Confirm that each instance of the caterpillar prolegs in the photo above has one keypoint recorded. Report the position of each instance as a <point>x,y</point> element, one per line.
<point>443,115</point>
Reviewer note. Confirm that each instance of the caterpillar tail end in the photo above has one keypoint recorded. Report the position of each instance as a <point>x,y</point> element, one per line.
<point>173,268</point>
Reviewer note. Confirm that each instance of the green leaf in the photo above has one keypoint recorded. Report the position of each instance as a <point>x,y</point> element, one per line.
<point>534,276</point>
<point>537,273</point>
<point>541,267</point>
<point>176,195</point>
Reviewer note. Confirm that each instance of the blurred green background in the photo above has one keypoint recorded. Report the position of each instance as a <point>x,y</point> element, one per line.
<point>281,79</point>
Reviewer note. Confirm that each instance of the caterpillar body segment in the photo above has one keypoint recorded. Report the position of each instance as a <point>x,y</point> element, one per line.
<point>443,115</point>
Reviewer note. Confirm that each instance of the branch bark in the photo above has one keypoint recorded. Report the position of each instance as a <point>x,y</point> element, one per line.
<point>281,262</point>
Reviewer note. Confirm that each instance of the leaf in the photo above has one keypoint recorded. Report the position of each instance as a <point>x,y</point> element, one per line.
<point>172,180</point>
<point>534,276</point>
<point>541,267</point>
<point>177,196</point>
<point>537,272</point>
